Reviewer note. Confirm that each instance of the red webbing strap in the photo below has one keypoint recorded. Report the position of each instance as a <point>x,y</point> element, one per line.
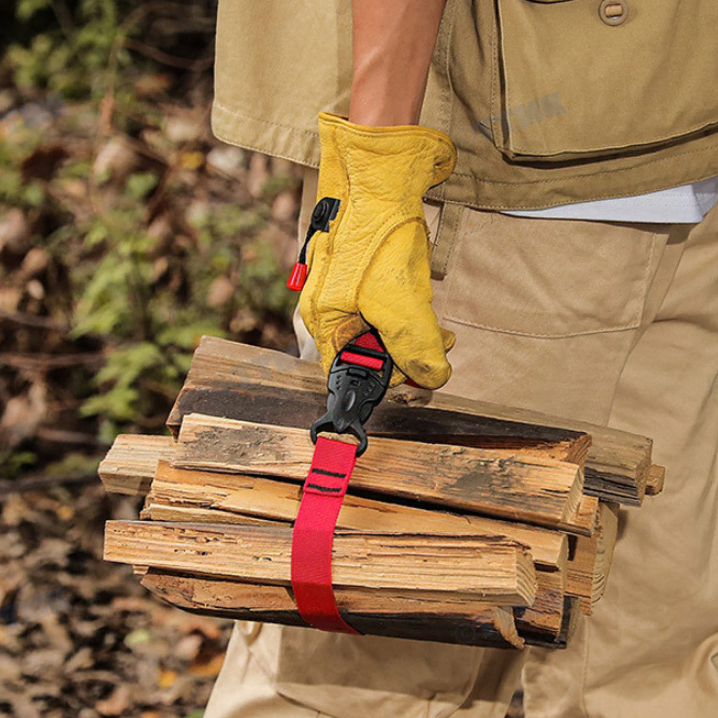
<point>313,534</point>
<point>368,341</point>
<point>361,360</point>
<point>365,341</point>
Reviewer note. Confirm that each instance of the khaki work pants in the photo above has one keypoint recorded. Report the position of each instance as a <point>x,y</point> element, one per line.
<point>604,322</point>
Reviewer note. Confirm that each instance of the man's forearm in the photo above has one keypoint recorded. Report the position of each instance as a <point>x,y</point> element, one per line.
<point>393,41</point>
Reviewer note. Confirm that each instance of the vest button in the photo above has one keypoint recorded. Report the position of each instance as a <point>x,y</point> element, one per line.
<point>613,12</point>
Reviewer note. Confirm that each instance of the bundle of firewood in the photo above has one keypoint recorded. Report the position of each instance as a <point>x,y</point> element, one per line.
<point>464,522</point>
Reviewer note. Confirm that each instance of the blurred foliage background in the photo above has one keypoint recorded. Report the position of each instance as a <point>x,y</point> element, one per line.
<point>126,232</point>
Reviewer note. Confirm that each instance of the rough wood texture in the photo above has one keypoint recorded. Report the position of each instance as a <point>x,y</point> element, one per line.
<point>582,553</point>
<point>617,463</point>
<point>297,408</point>
<point>571,617</point>
<point>545,617</point>
<point>131,462</point>
<point>655,480</point>
<point>583,521</point>
<point>209,497</point>
<point>524,488</point>
<point>474,568</point>
<point>591,560</point>
<point>217,498</point>
<point>278,500</point>
<point>261,498</point>
<point>485,626</point>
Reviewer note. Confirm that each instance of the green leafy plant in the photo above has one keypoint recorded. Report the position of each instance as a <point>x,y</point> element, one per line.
<point>71,57</point>
<point>142,298</point>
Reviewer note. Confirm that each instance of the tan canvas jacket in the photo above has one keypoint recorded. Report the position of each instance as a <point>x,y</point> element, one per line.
<point>549,102</point>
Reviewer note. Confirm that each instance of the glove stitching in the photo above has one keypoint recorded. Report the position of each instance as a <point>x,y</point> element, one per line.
<point>314,299</point>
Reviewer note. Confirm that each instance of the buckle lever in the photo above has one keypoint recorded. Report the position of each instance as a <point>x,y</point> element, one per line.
<point>358,379</point>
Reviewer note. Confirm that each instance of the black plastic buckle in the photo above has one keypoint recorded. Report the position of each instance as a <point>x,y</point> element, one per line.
<point>354,391</point>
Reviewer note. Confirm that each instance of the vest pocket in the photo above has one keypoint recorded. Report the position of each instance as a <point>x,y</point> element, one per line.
<point>568,85</point>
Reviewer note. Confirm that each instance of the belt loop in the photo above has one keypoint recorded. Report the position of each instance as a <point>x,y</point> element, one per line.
<point>445,238</point>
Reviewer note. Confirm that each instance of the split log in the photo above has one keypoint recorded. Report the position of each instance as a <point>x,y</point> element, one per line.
<point>616,468</point>
<point>224,496</point>
<point>591,560</point>
<point>583,521</point>
<point>208,497</point>
<point>264,497</point>
<point>656,479</point>
<point>485,569</point>
<point>545,616</point>
<point>398,618</point>
<point>492,482</point>
<point>131,462</point>
<point>571,617</point>
<point>282,406</point>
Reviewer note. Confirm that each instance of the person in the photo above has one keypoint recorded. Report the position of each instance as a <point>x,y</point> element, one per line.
<point>574,263</point>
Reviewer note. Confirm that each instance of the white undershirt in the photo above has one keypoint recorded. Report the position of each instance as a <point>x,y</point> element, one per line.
<point>686,204</point>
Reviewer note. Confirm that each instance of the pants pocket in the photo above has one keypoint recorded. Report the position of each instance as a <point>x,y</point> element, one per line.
<point>359,676</point>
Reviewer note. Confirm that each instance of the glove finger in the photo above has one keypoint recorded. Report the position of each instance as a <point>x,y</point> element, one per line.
<point>414,341</point>
<point>449,339</point>
<point>349,327</point>
<point>335,330</point>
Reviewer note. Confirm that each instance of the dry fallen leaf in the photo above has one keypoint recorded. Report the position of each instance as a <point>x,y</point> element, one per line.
<point>258,174</point>
<point>191,160</point>
<point>14,231</point>
<point>116,703</point>
<point>208,627</point>
<point>188,647</point>
<point>220,292</point>
<point>65,512</point>
<point>209,668</point>
<point>23,415</point>
<point>285,206</point>
<point>167,678</point>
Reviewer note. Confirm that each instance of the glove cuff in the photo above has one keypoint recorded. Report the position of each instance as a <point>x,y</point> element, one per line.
<point>417,157</point>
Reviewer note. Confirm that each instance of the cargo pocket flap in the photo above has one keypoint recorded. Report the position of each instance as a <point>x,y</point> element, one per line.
<point>570,85</point>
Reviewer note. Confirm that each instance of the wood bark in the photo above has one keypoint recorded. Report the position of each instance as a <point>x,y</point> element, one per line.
<point>484,569</point>
<point>492,482</point>
<point>482,626</point>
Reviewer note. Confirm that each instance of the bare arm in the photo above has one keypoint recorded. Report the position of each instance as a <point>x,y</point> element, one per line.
<point>393,41</point>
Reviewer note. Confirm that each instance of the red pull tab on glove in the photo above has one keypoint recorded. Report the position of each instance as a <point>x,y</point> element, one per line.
<point>313,534</point>
<point>298,277</point>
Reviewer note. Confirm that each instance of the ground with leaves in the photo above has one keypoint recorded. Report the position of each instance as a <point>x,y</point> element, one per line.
<point>80,637</point>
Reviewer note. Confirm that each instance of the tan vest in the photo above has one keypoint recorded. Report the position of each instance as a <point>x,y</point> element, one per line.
<point>548,101</point>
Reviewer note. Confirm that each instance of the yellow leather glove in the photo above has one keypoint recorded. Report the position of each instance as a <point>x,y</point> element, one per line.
<point>373,266</point>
